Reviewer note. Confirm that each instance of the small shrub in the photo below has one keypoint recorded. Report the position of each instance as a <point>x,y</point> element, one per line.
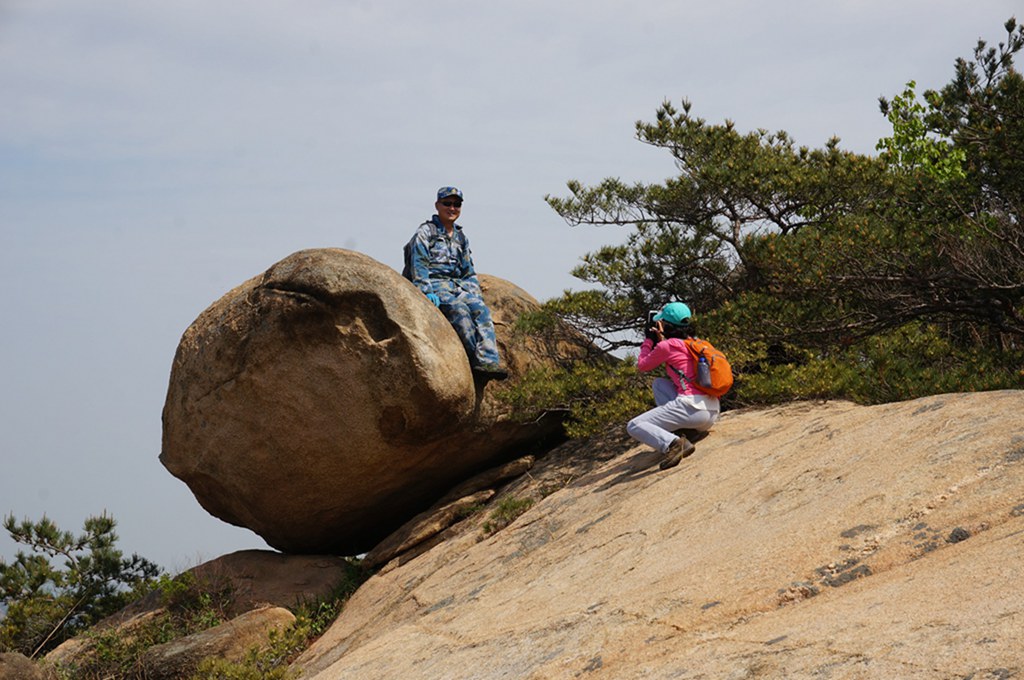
<point>463,512</point>
<point>508,510</point>
<point>194,603</point>
<point>915,361</point>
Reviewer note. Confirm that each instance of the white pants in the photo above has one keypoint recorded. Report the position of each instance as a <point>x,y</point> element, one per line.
<point>673,412</point>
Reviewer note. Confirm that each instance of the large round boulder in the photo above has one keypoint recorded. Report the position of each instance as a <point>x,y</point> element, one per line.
<point>326,401</point>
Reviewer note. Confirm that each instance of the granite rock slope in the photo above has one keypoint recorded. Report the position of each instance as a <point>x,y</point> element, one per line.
<point>806,541</point>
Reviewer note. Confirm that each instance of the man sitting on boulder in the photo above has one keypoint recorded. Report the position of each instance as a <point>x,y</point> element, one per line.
<point>439,262</point>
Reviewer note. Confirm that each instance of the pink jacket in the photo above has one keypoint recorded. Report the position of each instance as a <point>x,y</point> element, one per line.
<point>671,352</point>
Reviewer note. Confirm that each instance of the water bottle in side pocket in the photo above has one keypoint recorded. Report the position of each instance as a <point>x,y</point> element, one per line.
<point>703,372</point>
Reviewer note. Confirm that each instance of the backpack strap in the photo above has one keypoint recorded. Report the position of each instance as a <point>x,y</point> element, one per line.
<point>683,380</point>
<point>407,251</point>
<point>682,376</point>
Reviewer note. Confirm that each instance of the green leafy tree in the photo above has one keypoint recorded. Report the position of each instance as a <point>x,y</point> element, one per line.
<point>947,246</point>
<point>65,583</point>
<point>803,261</point>
<point>913,147</point>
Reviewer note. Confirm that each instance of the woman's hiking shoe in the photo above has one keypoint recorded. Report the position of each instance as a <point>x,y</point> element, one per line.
<point>680,449</point>
<point>693,435</point>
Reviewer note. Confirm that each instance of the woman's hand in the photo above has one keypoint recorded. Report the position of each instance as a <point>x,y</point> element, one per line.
<point>656,332</point>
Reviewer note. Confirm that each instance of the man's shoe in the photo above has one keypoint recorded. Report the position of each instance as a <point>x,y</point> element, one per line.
<point>681,448</point>
<point>490,372</point>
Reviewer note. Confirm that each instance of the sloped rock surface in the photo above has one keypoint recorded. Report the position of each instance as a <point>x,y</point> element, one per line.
<point>325,402</point>
<point>806,541</point>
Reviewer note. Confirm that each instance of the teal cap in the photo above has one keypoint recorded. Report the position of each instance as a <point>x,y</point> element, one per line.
<point>675,313</point>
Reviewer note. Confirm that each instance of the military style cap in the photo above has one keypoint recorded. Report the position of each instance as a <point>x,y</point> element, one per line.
<point>445,192</point>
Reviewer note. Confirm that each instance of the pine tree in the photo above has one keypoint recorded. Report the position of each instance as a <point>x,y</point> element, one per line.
<point>65,583</point>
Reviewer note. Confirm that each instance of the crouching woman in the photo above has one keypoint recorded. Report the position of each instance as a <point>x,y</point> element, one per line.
<point>681,407</point>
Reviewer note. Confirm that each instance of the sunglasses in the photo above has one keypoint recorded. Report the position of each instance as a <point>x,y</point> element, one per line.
<point>452,204</point>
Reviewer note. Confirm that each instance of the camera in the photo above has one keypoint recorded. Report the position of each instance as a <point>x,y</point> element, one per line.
<point>651,326</point>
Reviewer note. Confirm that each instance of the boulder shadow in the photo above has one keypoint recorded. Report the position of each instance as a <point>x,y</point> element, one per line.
<point>641,464</point>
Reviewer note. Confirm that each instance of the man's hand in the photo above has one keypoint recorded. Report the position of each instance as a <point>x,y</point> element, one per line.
<point>433,298</point>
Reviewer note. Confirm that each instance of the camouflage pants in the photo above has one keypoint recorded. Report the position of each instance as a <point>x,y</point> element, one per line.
<point>468,314</point>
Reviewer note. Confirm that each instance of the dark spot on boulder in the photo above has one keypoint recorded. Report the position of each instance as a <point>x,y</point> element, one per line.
<point>930,407</point>
<point>446,602</point>
<point>586,527</point>
<point>957,535</point>
<point>392,422</point>
<point>845,577</point>
<point>991,674</point>
<point>832,569</point>
<point>857,530</point>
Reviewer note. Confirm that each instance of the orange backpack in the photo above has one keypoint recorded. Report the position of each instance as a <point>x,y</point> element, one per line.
<point>714,374</point>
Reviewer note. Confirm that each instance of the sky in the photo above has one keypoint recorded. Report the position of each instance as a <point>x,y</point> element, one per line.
<point>153,155</point>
